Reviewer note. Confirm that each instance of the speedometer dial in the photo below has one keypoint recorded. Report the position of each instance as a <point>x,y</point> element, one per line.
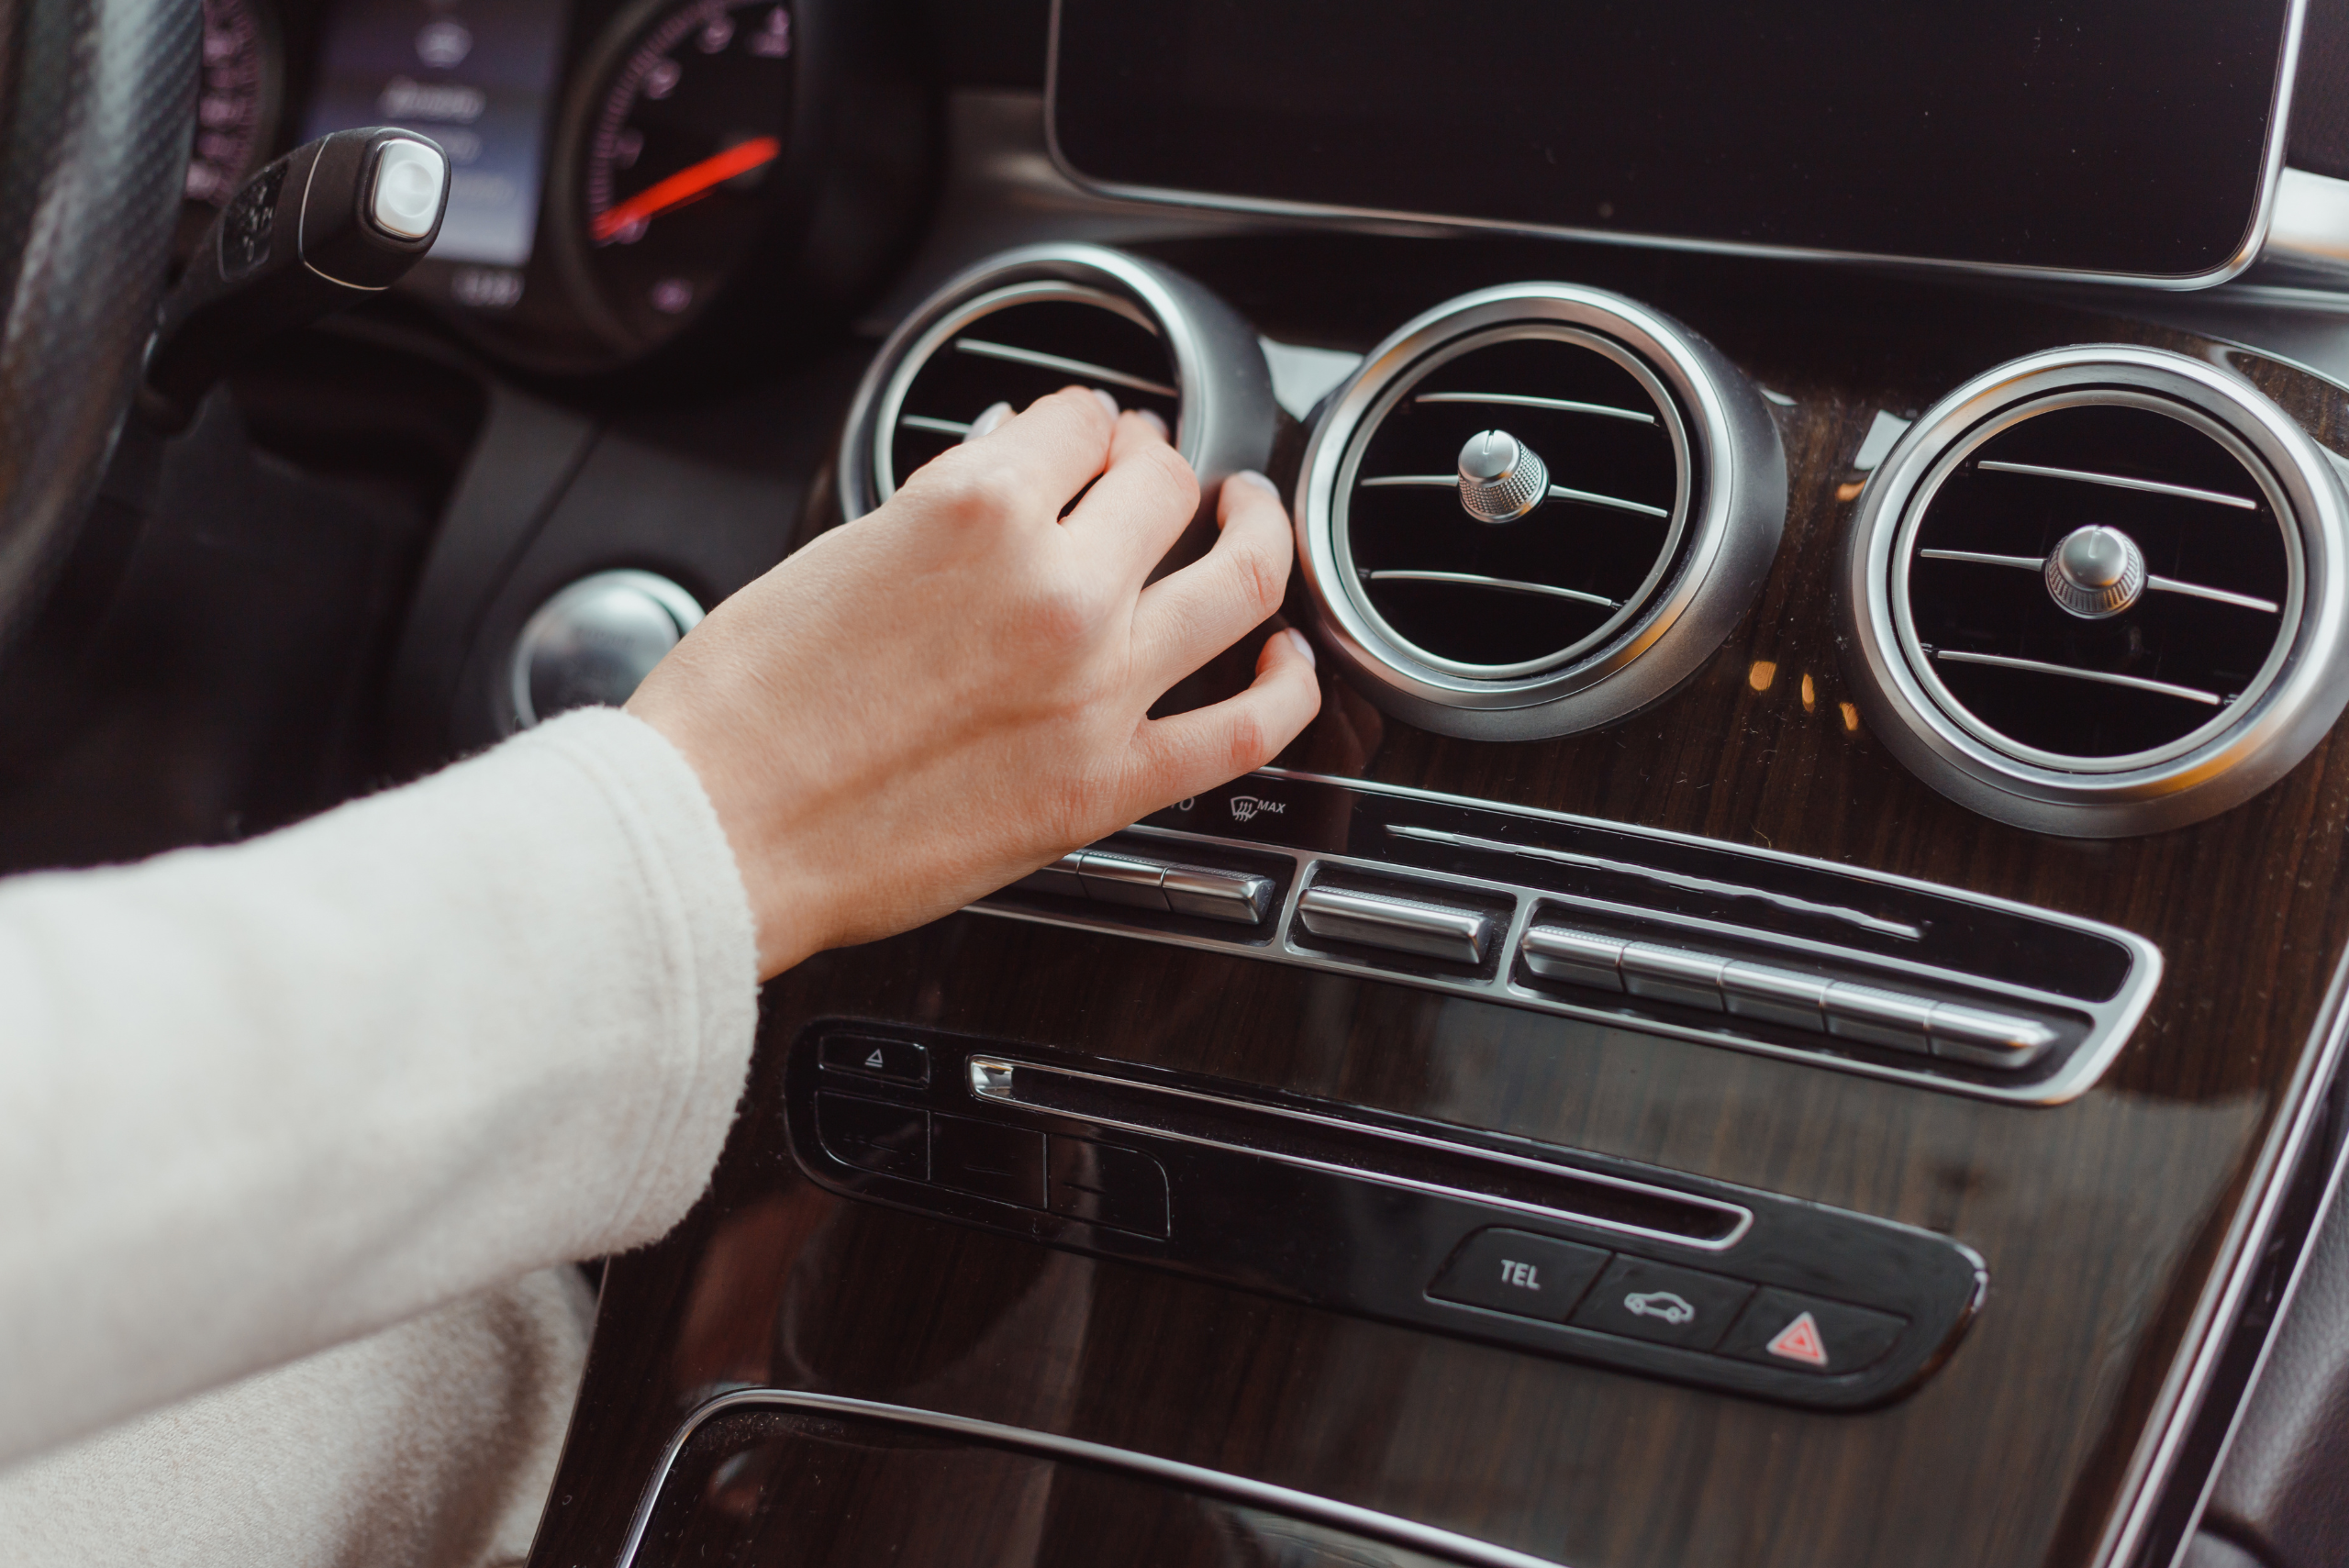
<point>675,183</point>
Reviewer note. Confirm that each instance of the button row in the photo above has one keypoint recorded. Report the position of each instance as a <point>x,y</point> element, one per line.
<point>1096,1183</point>
<point>1238,897</point>
<point>1866,1013</point>
<point>1528,1276</point>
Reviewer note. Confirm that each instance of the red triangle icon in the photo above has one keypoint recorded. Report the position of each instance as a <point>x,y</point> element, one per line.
<point>1799,1342</point>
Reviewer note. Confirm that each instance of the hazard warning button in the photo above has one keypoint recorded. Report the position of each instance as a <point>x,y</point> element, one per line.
<point>1799,1342</point>
<point>1809,1333</point>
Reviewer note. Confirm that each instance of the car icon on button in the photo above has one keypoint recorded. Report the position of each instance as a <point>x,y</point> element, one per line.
<point>1661,1304</point>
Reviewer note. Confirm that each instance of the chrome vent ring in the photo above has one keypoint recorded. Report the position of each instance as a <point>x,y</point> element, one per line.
<point>2100,592</point>
<point>1026,322</point>
<point>1536,509</point>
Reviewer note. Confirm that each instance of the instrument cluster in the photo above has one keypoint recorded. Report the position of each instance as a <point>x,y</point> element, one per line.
<point>633,181</point>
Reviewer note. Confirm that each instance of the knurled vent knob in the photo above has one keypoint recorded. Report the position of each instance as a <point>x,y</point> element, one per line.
<point>2095,572</point>
<point>1500,478</point>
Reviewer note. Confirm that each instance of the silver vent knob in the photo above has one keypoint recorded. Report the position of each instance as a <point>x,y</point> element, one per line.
<point>1500,477</point>
<point>2096,572</point>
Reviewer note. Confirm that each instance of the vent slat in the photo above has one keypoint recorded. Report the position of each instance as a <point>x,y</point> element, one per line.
<point>1023,348</point>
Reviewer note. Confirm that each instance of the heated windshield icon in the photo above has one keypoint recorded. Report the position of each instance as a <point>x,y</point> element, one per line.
<point>1661,1304</point>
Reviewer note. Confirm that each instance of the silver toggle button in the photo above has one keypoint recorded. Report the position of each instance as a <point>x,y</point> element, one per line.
<point>1501,479</point>
<point>2095,571</point>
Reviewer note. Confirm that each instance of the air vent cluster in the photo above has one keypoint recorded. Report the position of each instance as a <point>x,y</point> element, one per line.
<point>1535,509</point>
<point>1030,321</point>
<point>2096,591</point>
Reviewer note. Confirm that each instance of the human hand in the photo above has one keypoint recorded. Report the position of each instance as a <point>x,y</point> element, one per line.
<point>938,699</point>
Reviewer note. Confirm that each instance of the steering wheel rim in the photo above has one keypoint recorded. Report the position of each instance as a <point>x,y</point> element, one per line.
<point>97,108</point>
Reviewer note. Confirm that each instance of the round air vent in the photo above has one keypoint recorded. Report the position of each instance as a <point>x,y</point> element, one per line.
<point>2099,592</point>
<point>1535,509</point>
<point>1030,321</point>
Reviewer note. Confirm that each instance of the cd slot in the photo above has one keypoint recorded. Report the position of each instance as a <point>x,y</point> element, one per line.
<point>1314,1141</point>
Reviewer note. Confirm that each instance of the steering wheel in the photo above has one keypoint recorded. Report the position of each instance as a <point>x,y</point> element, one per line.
<point>97,100</point>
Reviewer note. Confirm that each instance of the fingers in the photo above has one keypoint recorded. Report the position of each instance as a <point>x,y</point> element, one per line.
<point>1187,618</point>
<point>1133,515</point>
<point>1025,467</point>
<point>1188,752</point>
<point>992,415</point>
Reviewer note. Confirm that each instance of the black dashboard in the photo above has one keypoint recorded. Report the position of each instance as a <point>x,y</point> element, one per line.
<point>1789,1011</point>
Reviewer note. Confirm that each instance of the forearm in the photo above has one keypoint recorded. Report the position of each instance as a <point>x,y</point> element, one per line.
<point>256,1101</point>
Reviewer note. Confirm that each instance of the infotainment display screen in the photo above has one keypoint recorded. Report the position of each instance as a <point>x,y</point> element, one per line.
<point>2129,137</point>
<point>477,77</point>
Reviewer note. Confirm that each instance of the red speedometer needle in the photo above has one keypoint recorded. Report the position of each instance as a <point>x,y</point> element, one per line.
<point>687,183</point>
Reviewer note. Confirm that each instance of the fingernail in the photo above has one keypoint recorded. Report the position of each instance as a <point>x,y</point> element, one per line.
<point>1109,404</point>
<point>1250,476</point>
<point>1154,422</point>
<point>1299,638</point>
<point>992,415</point>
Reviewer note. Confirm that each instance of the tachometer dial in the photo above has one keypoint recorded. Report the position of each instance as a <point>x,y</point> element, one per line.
<point>679,161</point>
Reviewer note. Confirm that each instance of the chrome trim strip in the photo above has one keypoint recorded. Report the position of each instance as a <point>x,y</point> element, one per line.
<point>1560,493</point>
<point>994,1078</point>
<point>2040,667</point>
<point>2118,482</point>
<point>2222,1305</point>
<point>1381,218</point>
<point>2330,1194</point>
<point>2160,584</point>
<point>1557,492</point>
<point>1019,356</point>
<point>1521,400</point>
<point>1218,1484</point>
<point>1984,557</point>
<point>924,422</point>
<point>2216,595</point>
<point>1866,922</point>
<point>1506,585</point>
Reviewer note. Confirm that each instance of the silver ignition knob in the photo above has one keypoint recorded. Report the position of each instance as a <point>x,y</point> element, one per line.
<point>1500,479</point>
<point>595,642</point>
<point>2095,571</point>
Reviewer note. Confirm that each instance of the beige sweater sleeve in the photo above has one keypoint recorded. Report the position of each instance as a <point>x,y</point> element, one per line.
<point>261,1100</point>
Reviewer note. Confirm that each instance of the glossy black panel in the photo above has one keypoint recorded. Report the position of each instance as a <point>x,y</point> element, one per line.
<point>2110,136</point>
<point>1392,1217</point>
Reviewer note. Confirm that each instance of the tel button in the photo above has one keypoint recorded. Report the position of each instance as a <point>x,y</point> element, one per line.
<point>1808,1334</point>
<point>1511,1270</point>
<point>1655,1301</point>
